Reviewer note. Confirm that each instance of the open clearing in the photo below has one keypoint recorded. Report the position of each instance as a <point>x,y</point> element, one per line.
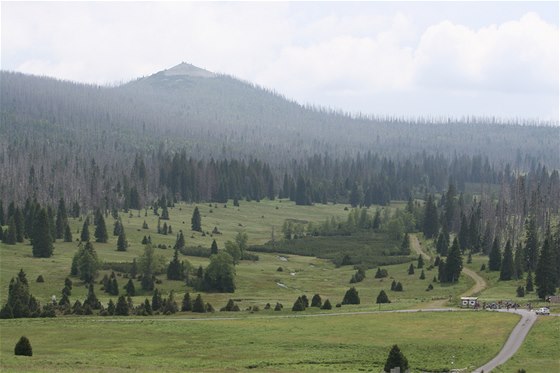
<point>331,343</point>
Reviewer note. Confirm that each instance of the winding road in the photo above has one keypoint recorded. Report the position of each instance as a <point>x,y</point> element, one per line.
<point>517,335</point>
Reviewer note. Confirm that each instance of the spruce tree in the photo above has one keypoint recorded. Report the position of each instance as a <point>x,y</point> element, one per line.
<point>214,248</point>
<point>545,274</point>
<point>382,297</point>
<point>518,262</point>
<point>84,235</point>
<point>101,230</point>
<point>20,225</point>
<point>431,224</point>
<point>10,235</point>
<point>411,269</point>
<point>326,305</point>
<point>121,308</point>
<point>61,219</point>
<point>122,244</point>
<point>351,296</point>
<point>422,275</point>
<point>420,264</point>
<point>187,303</point>
<point>117,228</point>
<point>67,233</point>
<point>495,257</point>
<point>531,244</point>
<point>298,305</point>
<point>111,308</point>
<point>196,222</point>
<point>157,301</point>
<point>507,268</point>
<point>180,242</point>
<point>454,264</point>
<point>396,359</point>
<point>198,305</point>
<point>175,268</point>
<point>442,245</point>
<point>42,242</point>
<point>405,245</point>
<point>23,347</point>
<point>316,301</point>
<point>129,288</point>
<point>529,282</point>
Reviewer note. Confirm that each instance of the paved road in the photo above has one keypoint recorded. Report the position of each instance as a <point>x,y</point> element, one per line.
<point>514,341</point>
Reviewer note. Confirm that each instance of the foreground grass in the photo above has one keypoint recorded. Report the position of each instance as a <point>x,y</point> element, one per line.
<point>330,343</point>
<point>539,352</point>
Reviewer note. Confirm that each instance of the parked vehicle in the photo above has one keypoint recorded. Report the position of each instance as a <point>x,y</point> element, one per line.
<point>542,311</point>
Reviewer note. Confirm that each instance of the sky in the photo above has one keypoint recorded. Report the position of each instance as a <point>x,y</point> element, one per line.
<point>430,59</point>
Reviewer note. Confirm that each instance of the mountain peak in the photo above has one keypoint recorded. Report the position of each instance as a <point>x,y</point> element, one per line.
<point>186,69</point>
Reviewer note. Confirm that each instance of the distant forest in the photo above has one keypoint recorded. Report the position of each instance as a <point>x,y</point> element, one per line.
<point>193,138</point>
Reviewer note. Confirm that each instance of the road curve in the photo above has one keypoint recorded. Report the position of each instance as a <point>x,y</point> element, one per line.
<point>514,341</point>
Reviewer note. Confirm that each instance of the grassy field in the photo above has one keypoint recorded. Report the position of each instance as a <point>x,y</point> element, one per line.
<point>258,282</point>
<point>333,343</point>
<point>540,352</point>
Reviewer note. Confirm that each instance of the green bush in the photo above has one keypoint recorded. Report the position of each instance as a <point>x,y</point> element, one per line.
<point>23,347</point>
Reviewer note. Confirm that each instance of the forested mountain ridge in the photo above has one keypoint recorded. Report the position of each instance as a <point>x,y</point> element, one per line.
<point>204,136</point>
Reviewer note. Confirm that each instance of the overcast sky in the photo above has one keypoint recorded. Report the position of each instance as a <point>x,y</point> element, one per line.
<point>396,58</point>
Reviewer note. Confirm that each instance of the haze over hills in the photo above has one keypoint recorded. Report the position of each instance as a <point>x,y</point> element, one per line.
<point>48,124</point>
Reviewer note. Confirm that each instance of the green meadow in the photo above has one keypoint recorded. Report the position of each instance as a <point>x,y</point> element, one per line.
<point>431,341</point>
<point>349,338</point>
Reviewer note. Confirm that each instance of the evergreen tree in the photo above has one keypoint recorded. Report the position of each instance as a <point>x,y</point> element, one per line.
<point>2,220</point>
<point>10,235</point>
<point>351,296</point>
<point>196,222</point>
<point>486,244</point>
<point>187,303</point>
<point>23,347</point>
<point>545,274</point>
<point>121,308</point>
<point>148,307</point>
<point>431,224</point>
<point>495,257</point>
<point>84,236</point>
<point>405,245</point>
<point>302,197</point>
<point>175,268</point>
<point>396,359</point>
<point>133,269</point>
<point>422,275</point>
<point>298,305</point>
<point>420,262</point>
<point>20,225</point>
<point>507,268</point>
<point>67,233</point>
<point>529,282</point>
<point>129,288</point>
<point>42,242</point>
<point>122,244</point>
<point>101,230</point>
<point>157,302</point>
<point>463,235</point>
<point>85,263</point>
<point>518,262</point>
<point>316,301</point>
<point>198,305</point>
<point>442,245</point>
<point>454,264</point>
<point>214,248</point>
<point>91,299</point>
<point>382,298</point>
<point>111,307</point>
<point>180,242</point>
<point>117,228</point>
<point>114,286</point>
<point>326,305</point>
<point>411,269</point>
<point>531,244</point>
<point>61,219</point>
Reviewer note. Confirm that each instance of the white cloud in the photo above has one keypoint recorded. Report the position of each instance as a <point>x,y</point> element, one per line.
<point>342,57</point>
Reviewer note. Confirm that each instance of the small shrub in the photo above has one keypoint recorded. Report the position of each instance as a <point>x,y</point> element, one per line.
<point>520,291</point>
<point>327,305</point>
<point>278,307</point>
<point>382,297</point>
<point>279,269</point>
<point>267,306</point>
<point>381,273</point>
<point>430,287</point>
<point>40,278</point>
<point>23,347</point>
<point>483,267</point>
<point>398,287</point>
